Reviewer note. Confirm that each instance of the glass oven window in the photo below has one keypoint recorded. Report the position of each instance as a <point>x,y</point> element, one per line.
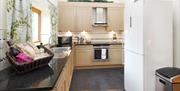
<point>98,54</point>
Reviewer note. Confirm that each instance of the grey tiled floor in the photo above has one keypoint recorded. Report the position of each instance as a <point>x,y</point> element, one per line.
<point>111,79</point>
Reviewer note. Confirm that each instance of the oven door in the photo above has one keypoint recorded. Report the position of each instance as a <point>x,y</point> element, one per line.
<point>101,54</point>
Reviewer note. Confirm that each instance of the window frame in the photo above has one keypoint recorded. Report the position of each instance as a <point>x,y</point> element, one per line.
<point>38,11</point>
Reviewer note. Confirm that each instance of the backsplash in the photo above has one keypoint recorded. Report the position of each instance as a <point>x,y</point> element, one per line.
<point>95,36</point>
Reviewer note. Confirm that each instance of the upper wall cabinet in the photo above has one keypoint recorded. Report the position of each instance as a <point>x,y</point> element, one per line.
<point>76,16</point>
<point>75,19</point>
<point>67,18</point>
<point>116,19</point>
<point>84,18</point>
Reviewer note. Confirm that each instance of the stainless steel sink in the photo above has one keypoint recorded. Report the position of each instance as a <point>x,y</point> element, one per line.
<point>60,52</point>
<point>60,49</point>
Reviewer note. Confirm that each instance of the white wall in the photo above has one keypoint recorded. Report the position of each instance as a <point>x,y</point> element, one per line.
<point>176,33</point>
<point>3,28</point>
<point>2,14</point>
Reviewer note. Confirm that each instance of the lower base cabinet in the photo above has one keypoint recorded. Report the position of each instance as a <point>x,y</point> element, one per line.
<point>64,81</point>
<point>84,57</point>
<point>116,54</point>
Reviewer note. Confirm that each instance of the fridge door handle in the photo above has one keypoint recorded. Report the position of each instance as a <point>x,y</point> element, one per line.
<point>130,23</point>
<point>136,0</point>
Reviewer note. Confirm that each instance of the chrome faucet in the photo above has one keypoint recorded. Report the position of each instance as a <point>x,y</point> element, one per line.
<point>81,40</point>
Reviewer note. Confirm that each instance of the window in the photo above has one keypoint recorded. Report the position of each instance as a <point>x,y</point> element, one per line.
<point>100,15</point>
<point>36,25</point>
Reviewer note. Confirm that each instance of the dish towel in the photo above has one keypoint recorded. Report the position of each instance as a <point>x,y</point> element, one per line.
<point>103,53</point>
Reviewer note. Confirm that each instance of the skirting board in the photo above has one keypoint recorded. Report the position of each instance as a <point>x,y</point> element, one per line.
<point>99,66</point>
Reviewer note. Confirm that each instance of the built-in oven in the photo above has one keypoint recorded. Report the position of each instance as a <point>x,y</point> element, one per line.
<point>101,52</point>
<point>64,41</point>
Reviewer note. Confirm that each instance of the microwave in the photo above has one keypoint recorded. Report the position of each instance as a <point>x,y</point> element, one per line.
<point>64,41</point>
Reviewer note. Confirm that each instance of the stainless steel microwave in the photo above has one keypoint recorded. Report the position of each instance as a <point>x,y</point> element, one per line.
<point>64,41</point>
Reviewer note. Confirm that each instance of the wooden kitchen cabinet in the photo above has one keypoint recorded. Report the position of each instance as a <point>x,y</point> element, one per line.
<point>83,55</point>
<point>116,54</point>
<point>84,18</point>
<point>67,18</point>
<point>64,81</point>
<point>116,19</point>
<point>77,17</point>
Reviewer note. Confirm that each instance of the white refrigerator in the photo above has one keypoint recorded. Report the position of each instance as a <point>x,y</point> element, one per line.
<point>148,42</point>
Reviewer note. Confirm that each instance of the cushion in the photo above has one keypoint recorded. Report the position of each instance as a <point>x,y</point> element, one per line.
<point>28,50</point>
<point>22,57</point>
<point>40,56</point>
<point>37,51</point>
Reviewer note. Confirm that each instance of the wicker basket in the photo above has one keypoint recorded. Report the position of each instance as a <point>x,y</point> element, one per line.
<point>29,66</point>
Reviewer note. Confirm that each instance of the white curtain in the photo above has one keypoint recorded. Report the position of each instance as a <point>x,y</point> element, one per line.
<point>19,20</point>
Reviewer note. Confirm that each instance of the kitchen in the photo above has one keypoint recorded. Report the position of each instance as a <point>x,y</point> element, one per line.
<point>95,42</point>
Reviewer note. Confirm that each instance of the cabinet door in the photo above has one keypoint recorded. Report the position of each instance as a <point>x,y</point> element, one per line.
<point>84,18</point>
<point>68,74</point>
<point>83,57</point>
<point>67,18</point>
<point>62,87</point>
<point>116,19</point>
<point>116,54</point>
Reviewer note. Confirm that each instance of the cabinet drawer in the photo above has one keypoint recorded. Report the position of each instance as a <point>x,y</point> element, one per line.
<point>115,46</point>
<point>84,47</point>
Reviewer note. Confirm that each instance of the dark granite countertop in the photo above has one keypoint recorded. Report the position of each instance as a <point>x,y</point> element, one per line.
<point>42,79</point>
